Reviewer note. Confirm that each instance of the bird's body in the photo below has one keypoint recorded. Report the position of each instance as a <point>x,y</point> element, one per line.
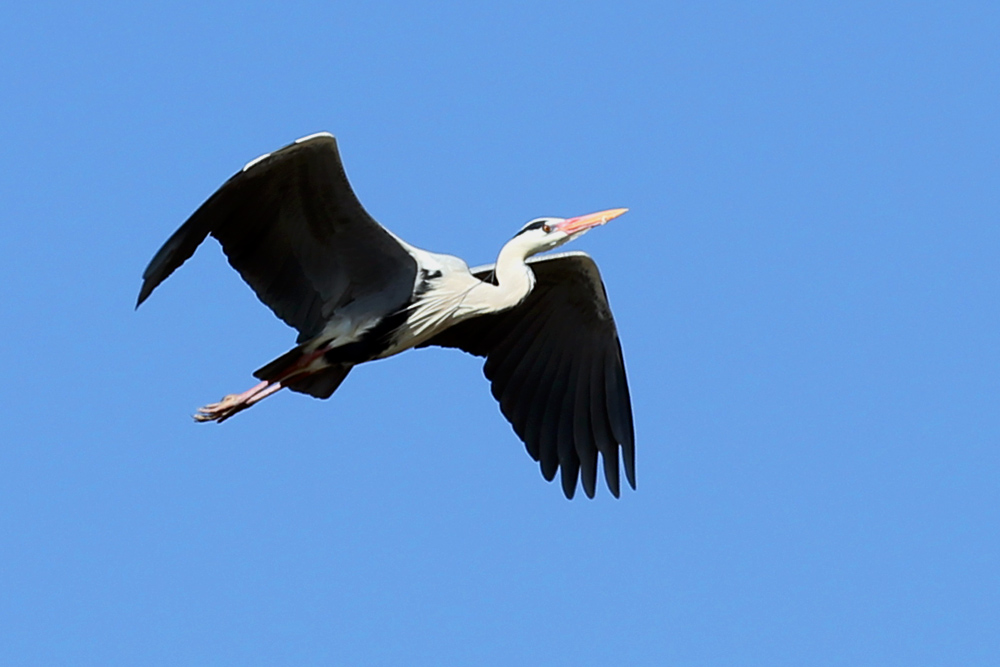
<point>291,225</point>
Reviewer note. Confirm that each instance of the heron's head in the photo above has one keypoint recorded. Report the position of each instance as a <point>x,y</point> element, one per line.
<point>543,234</point>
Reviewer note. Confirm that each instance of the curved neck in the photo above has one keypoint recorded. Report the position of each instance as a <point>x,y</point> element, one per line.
<point>458,295</point>
<point>514,281</point>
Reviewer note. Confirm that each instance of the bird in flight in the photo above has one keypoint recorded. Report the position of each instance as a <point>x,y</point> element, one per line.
<point>293,228</point>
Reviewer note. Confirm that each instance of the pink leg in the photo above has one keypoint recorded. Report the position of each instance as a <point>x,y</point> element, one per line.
<point>233,403</point>
<point>261,395</point>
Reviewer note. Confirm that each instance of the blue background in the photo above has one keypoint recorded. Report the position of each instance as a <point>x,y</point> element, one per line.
<point>806,288</point>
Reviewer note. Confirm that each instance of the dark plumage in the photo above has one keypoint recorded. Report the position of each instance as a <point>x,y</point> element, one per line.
<point>290,224</point>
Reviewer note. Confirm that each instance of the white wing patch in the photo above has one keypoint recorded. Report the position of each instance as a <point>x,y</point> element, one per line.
<point>301,140</point>
<point>256,160</point>
<point>313,136</point>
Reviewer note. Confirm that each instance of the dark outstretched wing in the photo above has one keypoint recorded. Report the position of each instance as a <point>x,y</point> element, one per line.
<point>293,228</point>
<point>556,367</point>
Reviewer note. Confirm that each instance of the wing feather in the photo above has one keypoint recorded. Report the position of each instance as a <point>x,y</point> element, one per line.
<point>620,409</point>
<point>556,368</point>
<point>293,228</point>
<point>525,379</point>
<point>514,354</point>
<point>604,439</point>
<point>540,422</point>
<point>569,461</point>
<point>583,429</point>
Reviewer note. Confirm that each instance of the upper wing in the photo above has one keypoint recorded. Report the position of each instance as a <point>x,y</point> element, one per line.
<point>556,367</point>
<point>293,228</point>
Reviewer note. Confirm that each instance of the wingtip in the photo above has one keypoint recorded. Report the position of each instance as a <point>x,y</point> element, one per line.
<point>628,456</point>
<point>143,295</point>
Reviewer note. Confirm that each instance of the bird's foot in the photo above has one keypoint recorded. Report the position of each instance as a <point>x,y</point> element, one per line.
<point>233,403</point>
<point>224,409</point>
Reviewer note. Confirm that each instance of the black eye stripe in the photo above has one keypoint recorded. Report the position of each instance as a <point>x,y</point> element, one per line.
<point>532,225</point>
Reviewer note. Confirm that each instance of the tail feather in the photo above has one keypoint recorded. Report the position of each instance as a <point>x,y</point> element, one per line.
<point>320,384</point>
<point>273,369</point>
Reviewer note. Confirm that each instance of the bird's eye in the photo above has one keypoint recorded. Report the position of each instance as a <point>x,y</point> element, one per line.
<point>546,229</point>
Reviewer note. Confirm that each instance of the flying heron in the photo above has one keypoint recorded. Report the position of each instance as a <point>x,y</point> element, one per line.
<point>293,228</point>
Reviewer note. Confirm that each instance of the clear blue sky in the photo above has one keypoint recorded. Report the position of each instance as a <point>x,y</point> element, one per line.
<point>807,290</point>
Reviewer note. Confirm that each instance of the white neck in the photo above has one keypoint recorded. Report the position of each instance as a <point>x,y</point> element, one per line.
<point>461,296</point>
<point>514,279</point>
<point>514,282</point>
